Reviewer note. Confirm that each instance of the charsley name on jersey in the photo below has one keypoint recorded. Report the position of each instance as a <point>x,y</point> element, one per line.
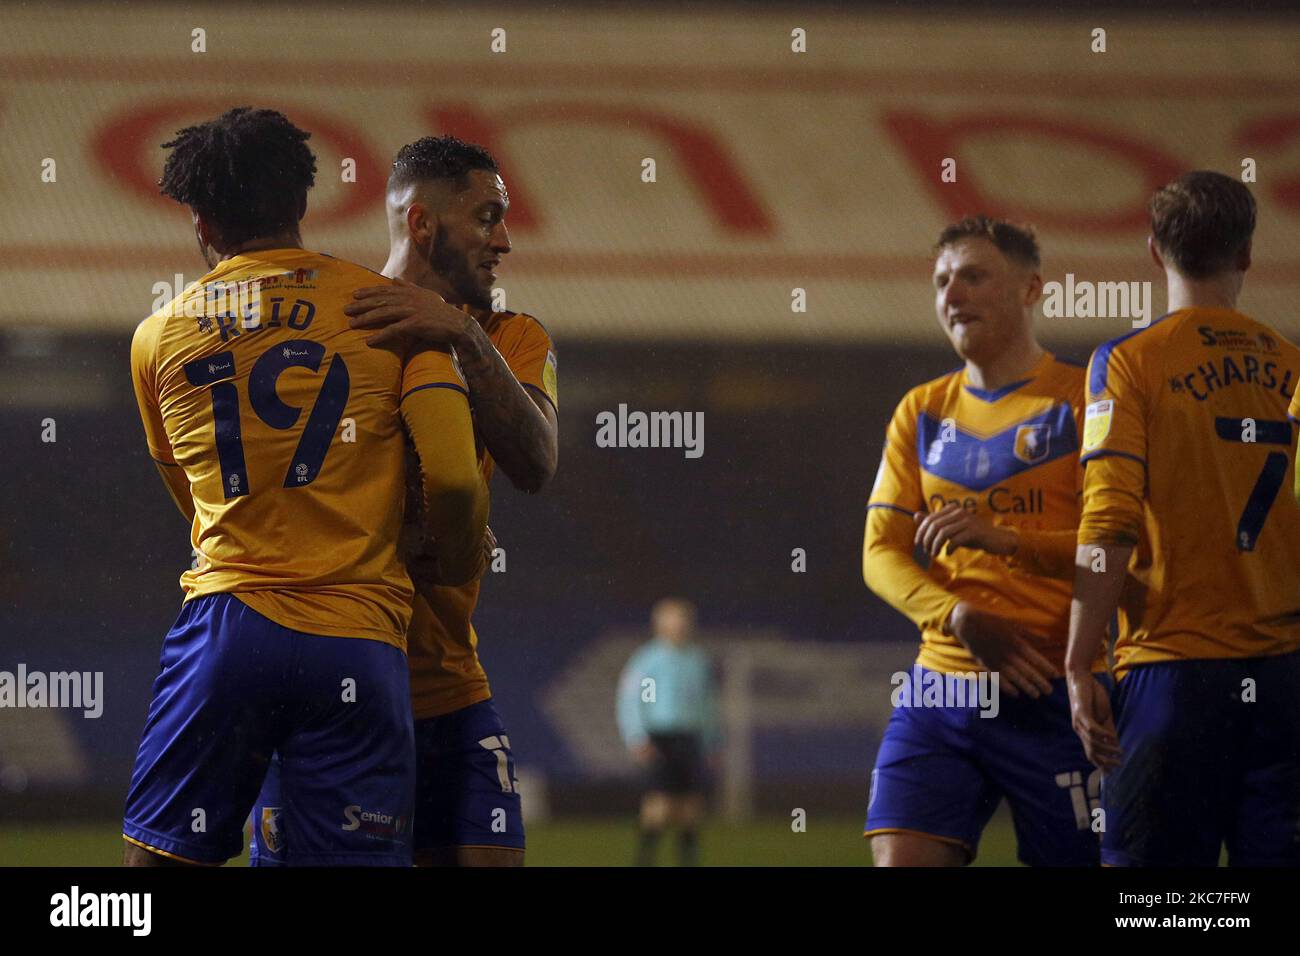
<point>1246,369</point>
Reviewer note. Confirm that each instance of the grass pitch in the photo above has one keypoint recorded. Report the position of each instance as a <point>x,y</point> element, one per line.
<point>834,841</point>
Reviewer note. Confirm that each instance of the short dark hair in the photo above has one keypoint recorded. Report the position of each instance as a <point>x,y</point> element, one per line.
<point>248,171</point>
<point>1202,222</point>
<point>439,157</point>
<point>1015,242</point>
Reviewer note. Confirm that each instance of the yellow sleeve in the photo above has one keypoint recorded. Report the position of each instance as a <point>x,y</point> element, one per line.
<point>531,357</point>
<point>1294,414</point>
<point>178,486</point>
<point>1049,554</point>
<point>435,410</point>
<point>892,573</point>
<point>1114,450</point>
<point>1113,492</point>
<point>430,367</point>
<point>888,566</point>
<point>898,482</point>
<point>144,380</point>
<point>453,493</point>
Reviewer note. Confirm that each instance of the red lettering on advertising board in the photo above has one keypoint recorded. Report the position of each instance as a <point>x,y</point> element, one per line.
<point>722,187</point>
<point>927,141</point>
<point>1275,133</point>
<point>127,146</point>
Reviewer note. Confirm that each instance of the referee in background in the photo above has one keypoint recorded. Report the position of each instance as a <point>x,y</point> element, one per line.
<point>668,718</point>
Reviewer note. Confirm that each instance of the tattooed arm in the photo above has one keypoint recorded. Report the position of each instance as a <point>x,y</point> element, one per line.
<point>518,425</point>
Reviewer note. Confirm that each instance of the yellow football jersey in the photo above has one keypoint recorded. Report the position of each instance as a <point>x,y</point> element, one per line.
<point>1187,448</point>
<point>286,425</point>
<point>1294,414</point>
<point>1010,455</point>
<point>446,674</point>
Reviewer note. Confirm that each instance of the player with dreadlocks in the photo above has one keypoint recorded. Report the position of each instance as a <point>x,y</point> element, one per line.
<point>446,206</point>
<point>279,433</point>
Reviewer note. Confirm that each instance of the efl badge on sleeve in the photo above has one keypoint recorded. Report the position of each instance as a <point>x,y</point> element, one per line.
<point>272,834</point>
<point>548,379</point>
<point>1096,423</point>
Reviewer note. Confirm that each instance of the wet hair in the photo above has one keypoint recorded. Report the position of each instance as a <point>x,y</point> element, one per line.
<point>1017,243</point>
<point>439,157</point>
<point>1202,222</point>
<point>247,172</point>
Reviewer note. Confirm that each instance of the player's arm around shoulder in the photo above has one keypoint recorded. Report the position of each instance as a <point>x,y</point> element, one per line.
<point>519,429</point>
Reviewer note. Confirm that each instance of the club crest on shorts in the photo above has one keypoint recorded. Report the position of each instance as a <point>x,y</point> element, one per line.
<point>272,832</point>
<point>1032,442</point>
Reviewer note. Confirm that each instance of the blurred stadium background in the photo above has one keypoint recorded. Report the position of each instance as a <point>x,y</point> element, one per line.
<point>775,171</point>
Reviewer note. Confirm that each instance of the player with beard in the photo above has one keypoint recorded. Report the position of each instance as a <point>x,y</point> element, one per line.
<point>446,206</point>
<point>244,382</point>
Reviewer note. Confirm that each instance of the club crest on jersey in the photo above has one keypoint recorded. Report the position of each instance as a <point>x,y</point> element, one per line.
<point>272,834</point>
<point>1033,442</point>
<point>1096,423</point>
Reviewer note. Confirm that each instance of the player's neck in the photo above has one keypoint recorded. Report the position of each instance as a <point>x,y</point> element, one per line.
<point>1008,366</point>
<point>416,270</point>
<point>1218,293</point>
<point>283,240</point>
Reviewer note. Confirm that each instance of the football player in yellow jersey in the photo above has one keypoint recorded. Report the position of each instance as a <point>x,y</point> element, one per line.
<point>1186,449</point>
<point>280,435</point>
<point>980,471</point>
<point>446,205</point>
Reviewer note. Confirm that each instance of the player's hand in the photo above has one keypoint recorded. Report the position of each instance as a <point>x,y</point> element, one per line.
<point>1092,720</point>
<point>406,314</point>
<point>644,753</point>
<point>952,526</point>
<point>1002,647</point>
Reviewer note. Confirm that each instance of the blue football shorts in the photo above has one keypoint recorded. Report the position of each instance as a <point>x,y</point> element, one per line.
<point>466,792</point>
<point>234,688</point>
<point>941,772</point>
<point>1211,756</point>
